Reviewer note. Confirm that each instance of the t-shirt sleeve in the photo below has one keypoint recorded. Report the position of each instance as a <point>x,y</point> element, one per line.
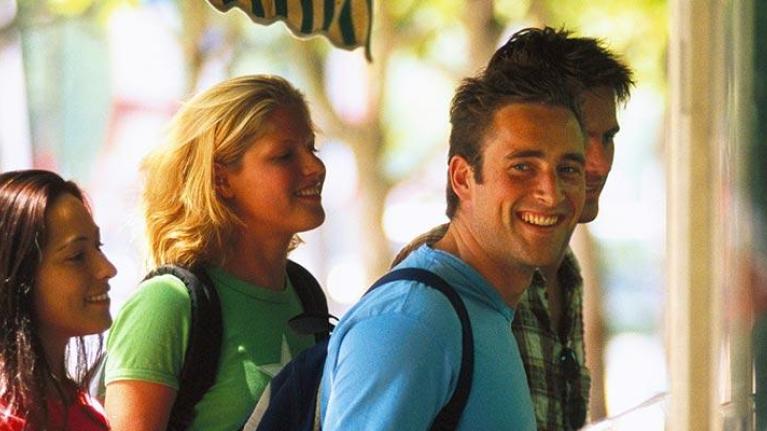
<point>149,336</point>
<point>391,373</point>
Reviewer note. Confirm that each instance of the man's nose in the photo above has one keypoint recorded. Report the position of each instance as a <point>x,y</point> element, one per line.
<point>599,158</point>
<point>548,189</point>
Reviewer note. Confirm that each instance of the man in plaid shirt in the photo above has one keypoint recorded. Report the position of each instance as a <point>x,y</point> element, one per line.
<point>548,323</point>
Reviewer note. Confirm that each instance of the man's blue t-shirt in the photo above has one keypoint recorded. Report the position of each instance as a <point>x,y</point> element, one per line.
<point>394,358</point>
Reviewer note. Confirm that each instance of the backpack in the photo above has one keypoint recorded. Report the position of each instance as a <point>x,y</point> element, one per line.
<point>200,366</point>
<point>290,401</point>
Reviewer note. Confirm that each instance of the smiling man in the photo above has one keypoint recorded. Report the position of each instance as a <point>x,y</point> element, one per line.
<point>516,189</point>
<point>548,323</point>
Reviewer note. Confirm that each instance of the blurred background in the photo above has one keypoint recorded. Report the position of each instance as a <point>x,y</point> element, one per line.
<point>87,88</point>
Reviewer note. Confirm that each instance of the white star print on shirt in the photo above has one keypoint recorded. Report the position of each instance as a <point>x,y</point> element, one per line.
<point>272,369</point>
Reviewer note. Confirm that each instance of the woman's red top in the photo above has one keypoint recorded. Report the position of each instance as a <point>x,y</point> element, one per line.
<point>85,414</point>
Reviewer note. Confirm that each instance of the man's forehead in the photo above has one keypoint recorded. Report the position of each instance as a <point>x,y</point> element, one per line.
<point>530,126</point>
<point>516,115</point>
<point>529,111</point>
<point>602,92</point>
<point>599,108</point>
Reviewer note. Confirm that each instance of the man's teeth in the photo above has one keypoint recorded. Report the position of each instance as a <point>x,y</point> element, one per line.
<point>98,298</point>
<point>540,220</point>
<point>310,191</point>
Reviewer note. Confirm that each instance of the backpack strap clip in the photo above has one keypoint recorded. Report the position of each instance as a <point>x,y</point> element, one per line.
<point>315,320</point>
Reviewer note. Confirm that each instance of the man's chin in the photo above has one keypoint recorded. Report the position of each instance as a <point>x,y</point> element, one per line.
<point>547,259</point>
<point>590,211</point>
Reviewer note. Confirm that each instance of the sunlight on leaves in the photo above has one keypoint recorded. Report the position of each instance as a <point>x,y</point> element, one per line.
<point>69,7</point>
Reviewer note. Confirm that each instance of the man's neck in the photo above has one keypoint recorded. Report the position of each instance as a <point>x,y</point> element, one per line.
<point>509,278</point>
<point>551,272</point>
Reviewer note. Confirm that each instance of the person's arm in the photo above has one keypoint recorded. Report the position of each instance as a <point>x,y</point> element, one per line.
<point>145,351</point>
<point>390,373</point>
<point>133,405</point>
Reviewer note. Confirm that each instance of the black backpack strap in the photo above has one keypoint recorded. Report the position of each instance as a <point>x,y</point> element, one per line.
<point>315,320</point>
<point>198,372</point>
<point>450,414</point>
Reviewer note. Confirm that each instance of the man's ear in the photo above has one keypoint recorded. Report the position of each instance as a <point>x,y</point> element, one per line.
<point>461,177</point>
<point>221,181</point>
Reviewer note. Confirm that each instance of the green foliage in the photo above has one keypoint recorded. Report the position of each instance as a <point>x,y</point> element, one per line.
<point>418,25</point>
<point>512,10</point>
<point>69,7</point>
<point>31,11</point>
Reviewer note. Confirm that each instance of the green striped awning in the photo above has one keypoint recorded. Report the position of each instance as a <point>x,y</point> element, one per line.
<point>346,23</point>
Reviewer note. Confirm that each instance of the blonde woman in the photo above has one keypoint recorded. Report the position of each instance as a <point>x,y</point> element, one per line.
<point>236,181</point>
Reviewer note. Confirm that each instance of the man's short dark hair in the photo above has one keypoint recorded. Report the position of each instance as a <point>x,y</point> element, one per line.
<point>585,62</point>
<point>477,100</point>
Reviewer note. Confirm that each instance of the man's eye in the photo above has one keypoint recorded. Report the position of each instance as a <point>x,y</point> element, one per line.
<point>79,257</point>
<point>521,167</point>
<point>570,170</point>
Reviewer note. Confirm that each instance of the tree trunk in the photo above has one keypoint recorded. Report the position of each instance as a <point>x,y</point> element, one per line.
<point>368,149</point>
<point>483,31</point>
<point>194,17</point>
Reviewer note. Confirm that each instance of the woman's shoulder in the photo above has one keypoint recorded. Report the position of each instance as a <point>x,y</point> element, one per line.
<point>84,414</point>
<point>161,291</point>
<point>162,297</point>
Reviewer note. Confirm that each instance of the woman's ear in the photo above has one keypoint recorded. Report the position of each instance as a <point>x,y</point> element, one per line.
<point>221,181</point>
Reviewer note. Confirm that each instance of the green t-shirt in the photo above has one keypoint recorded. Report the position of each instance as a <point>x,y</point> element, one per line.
<point>149,338</point>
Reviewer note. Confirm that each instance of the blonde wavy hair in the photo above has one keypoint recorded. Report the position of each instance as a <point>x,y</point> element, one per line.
<point>186,222</point>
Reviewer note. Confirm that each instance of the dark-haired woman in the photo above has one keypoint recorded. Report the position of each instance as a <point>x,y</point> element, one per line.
<point>53,288</point>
